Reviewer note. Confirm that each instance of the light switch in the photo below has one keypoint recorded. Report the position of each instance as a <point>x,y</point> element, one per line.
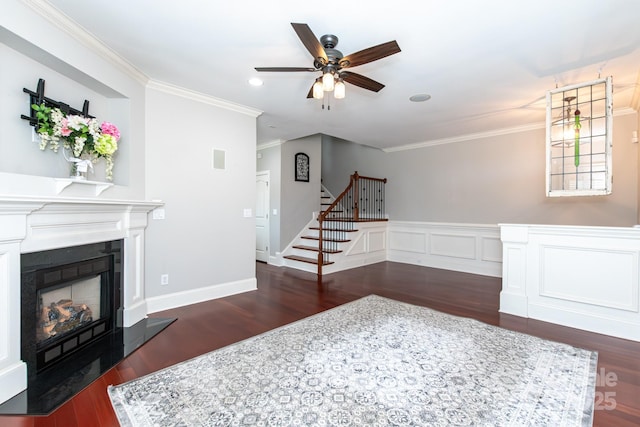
<point>158,213</point>
<point>247,213</point>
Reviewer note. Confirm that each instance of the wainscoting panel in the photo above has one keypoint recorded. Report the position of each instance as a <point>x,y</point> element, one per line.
<point>470,248</point>
<point>583,277</point>
<point>368,246</point>
<point>453,245</point>
<point>377,240</point>
<point>359,245</point>
<point>491,249</point>
<point>408,241</point>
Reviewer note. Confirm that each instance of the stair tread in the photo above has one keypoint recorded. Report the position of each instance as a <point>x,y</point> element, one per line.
<point>326,239</point>
<point>315,249</point>
<point>305,259</point>
<point>356,220</point>
<point>332,229</point>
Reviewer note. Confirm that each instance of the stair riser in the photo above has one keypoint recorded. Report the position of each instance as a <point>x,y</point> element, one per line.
<point>310,253</point>
<point>337,235</point>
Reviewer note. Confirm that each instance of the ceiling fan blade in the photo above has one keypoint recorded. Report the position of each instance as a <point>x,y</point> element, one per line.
<point>310,41</point>
<point>371,54</point>
<point>362,81</point>
<point>310,94</point>
<point>285,69</point>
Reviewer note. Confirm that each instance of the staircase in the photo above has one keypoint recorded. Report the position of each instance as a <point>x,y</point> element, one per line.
<point>337,237</point>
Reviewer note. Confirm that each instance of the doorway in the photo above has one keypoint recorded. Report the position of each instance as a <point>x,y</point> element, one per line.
<point>262,216</point>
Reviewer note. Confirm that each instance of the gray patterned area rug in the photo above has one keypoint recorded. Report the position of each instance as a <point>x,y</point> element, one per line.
<point>373,362</point>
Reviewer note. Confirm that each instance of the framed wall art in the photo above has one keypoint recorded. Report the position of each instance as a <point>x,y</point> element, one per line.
<point>302,167</point>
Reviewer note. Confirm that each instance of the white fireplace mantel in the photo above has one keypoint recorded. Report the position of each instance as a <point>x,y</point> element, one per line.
<point>30,224</point>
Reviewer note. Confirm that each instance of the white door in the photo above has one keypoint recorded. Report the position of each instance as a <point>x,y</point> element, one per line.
<point>262,216</point>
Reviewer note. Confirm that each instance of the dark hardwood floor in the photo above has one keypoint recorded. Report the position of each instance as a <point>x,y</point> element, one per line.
<point>286,295</point>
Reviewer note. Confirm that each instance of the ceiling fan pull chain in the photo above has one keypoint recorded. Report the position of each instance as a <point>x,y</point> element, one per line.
<point>576,149</point>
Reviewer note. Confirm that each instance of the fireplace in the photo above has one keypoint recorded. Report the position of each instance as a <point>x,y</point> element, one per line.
<point>70,297</point>
<point>33,228</point>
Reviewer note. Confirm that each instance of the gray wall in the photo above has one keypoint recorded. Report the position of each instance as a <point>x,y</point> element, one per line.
<point>340,159</point>
<point>299,199</point>
<point>205,240</point>
<point>492,180</point>
<point>113,96</point>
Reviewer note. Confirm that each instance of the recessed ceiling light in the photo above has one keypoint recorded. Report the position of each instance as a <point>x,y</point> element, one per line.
<point>255,82</point>
<point>421,97</point>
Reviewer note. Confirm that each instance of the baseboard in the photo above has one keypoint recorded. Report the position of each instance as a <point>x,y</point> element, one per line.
<point>134,314</point>
<point>13,379</point>
<point>180,299</point>
<point>615,327</point>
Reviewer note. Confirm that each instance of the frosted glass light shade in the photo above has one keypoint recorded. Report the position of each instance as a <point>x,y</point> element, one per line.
<point>339,90</point>
<point>318,92</point>
<point>328,82</point>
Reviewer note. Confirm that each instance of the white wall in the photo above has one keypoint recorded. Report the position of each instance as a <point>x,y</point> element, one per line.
<point>205,244</point>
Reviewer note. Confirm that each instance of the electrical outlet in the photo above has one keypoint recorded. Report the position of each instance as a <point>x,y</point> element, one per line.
<point>164,279</point>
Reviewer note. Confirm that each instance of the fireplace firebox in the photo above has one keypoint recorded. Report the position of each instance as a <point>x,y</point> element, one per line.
<point>70,298</point>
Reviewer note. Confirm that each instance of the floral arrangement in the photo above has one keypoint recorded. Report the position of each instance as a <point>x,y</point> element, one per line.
<point>82,136</point>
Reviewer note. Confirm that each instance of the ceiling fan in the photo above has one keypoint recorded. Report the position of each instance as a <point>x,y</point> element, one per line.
<point>332,64</point>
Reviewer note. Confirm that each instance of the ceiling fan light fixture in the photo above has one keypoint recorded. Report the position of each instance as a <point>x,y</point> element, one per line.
<point>328,81</point>
<point>339,90</point>
<point>318,91</point>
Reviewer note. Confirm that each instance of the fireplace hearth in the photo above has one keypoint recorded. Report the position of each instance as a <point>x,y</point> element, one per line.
<point>50,389</point>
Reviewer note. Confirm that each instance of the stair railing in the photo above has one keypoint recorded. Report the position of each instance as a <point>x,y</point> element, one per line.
<point>362,200</point>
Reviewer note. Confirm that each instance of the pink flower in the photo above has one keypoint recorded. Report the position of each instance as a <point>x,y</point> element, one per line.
<point>110,129</point>
<point>64,128</point>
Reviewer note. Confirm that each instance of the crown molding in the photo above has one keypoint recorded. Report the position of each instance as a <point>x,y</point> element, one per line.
<point>270,144</point>
<point>468,137</point>
<point>201,97</point>
<point>69,26</point>
<point>489,134</point>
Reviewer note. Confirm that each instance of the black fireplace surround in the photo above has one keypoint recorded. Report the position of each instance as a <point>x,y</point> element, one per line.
<point>60,367</point>
<point>58,268</point>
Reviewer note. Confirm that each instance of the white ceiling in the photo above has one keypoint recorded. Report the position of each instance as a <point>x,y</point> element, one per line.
<point>486,64</point>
